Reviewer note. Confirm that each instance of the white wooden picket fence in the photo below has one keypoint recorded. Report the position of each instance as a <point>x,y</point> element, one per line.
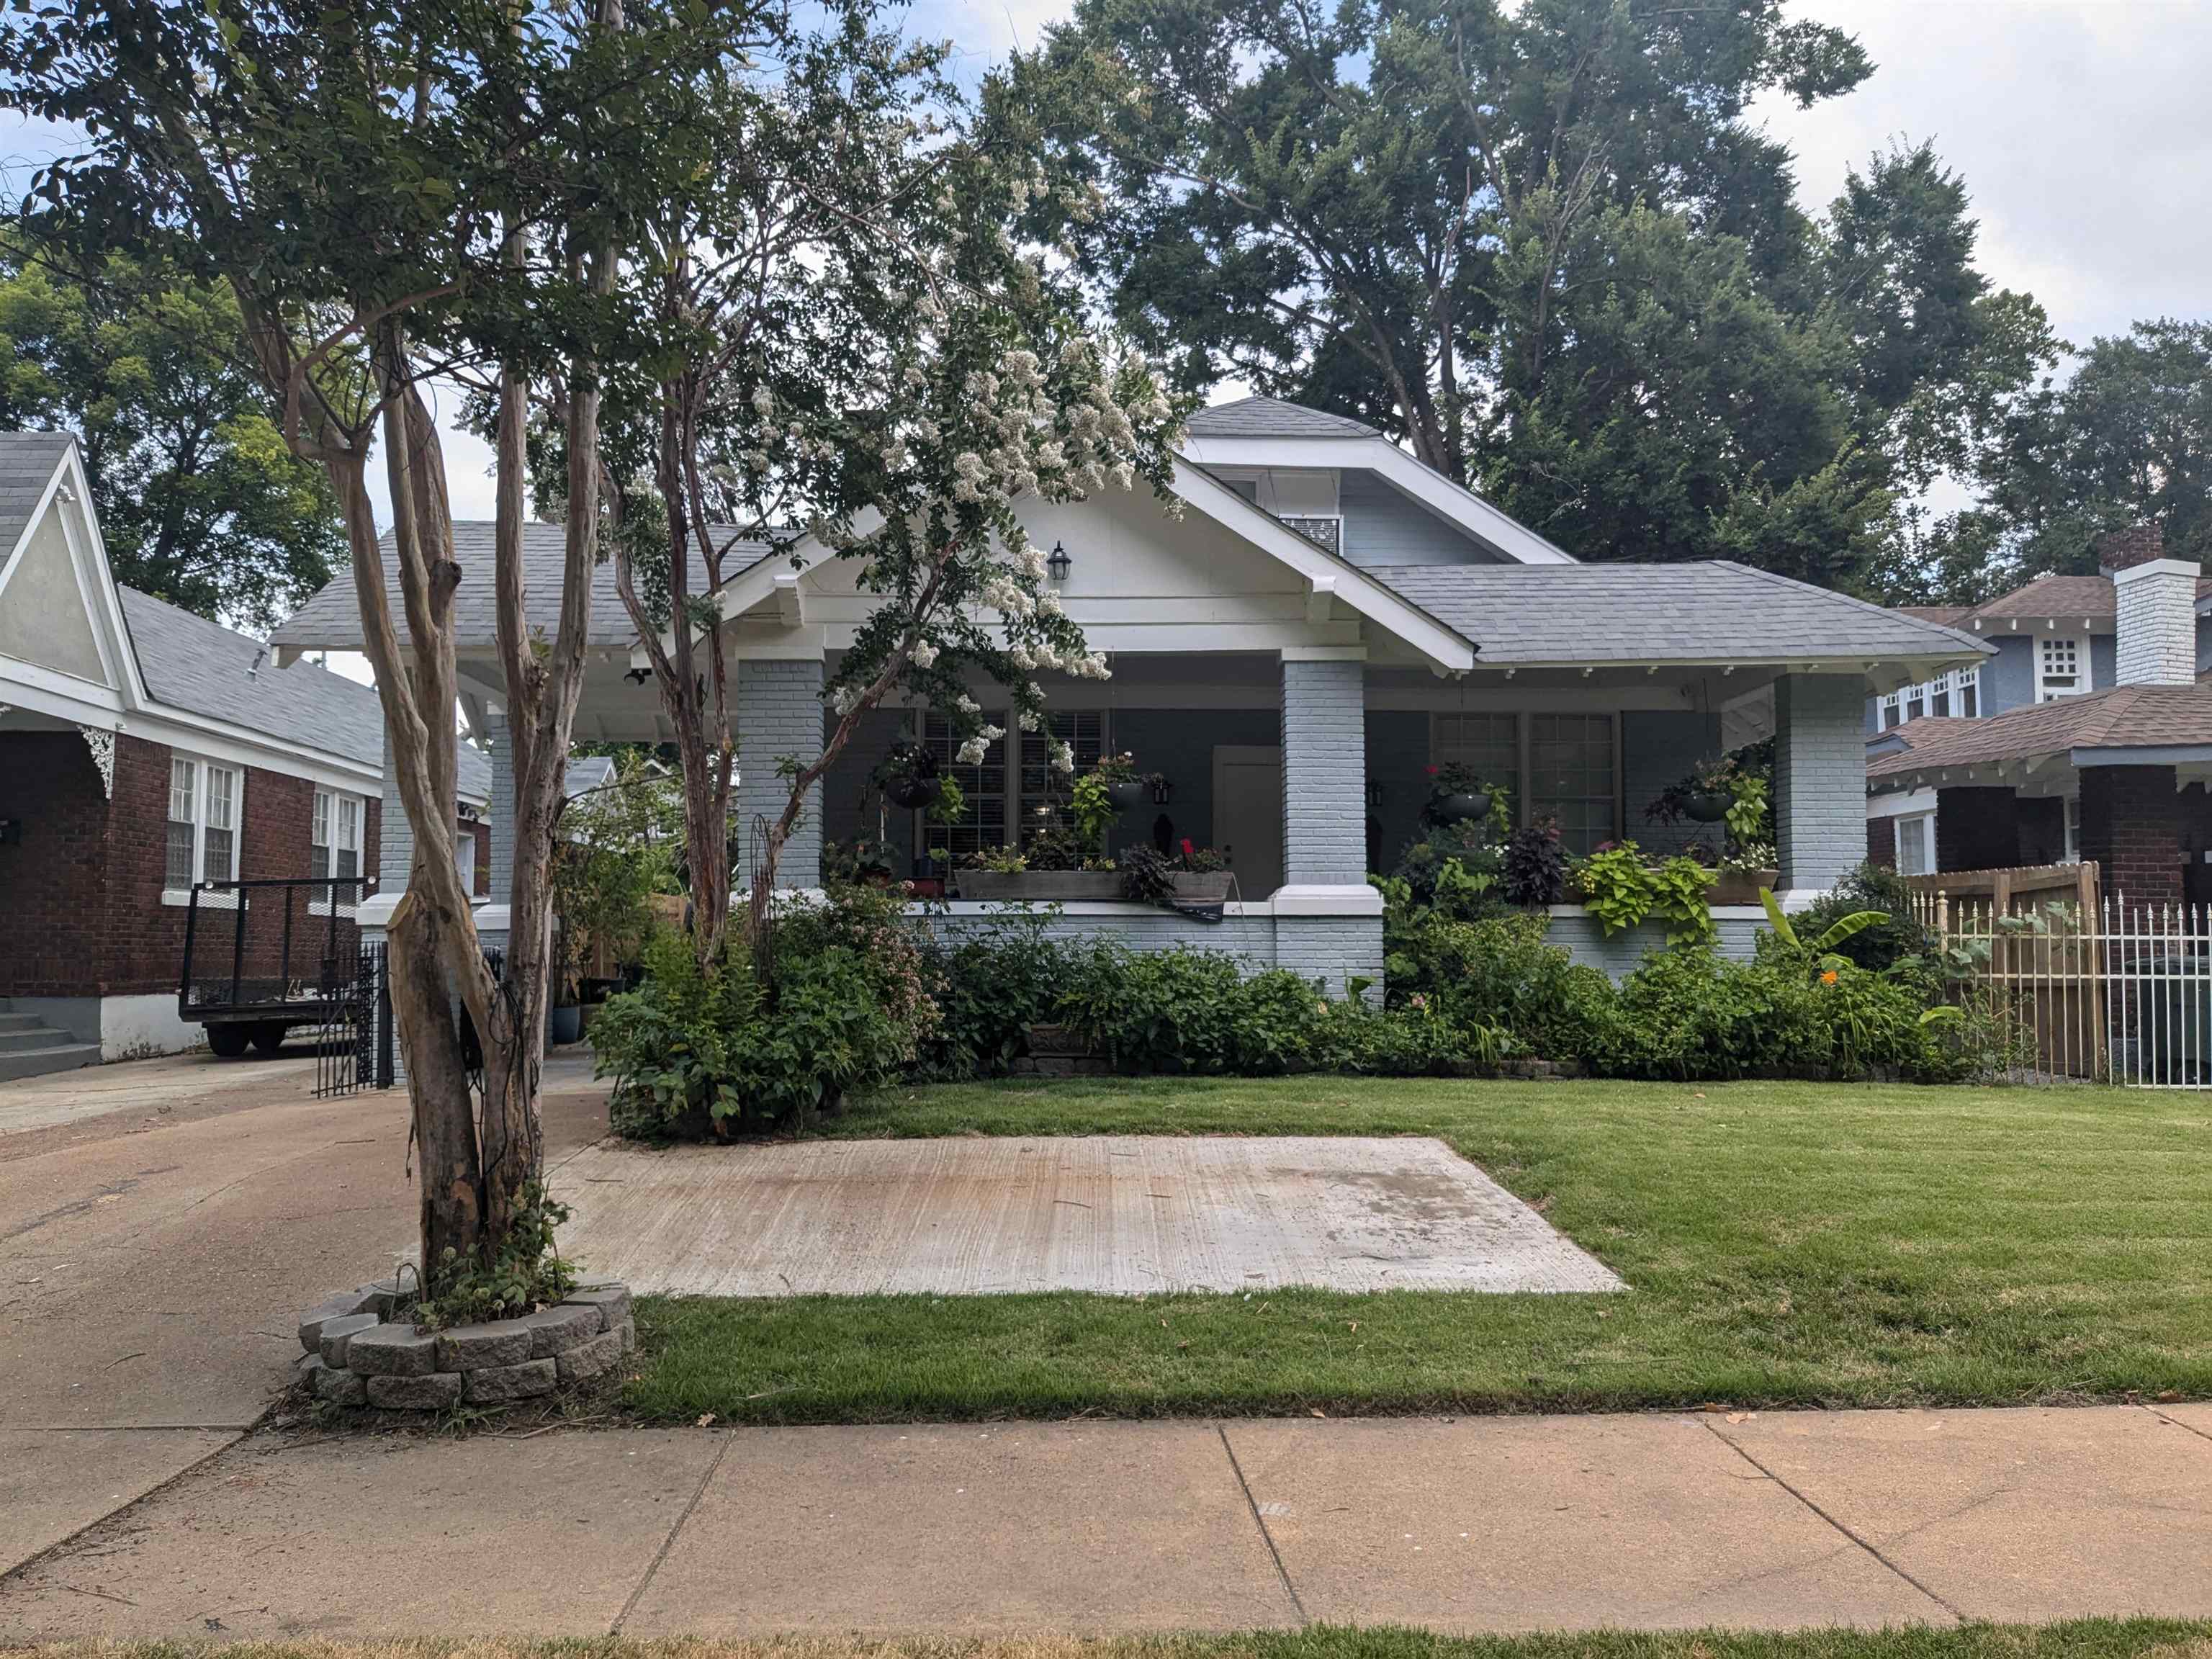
<point>2083,984</point>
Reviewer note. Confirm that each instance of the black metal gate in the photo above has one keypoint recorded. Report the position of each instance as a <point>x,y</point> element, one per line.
<point>353,1042</point>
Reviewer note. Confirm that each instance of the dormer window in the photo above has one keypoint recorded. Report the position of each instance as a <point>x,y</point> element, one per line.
<point>2061,667</point>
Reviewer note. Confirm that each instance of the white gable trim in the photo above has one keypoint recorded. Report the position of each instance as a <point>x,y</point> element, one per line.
<point>1450,501</point>
<point>1328,580</point>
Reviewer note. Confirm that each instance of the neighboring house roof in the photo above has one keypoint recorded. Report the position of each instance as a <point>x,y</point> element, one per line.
<point>587,772</point>
<point>203,668</point>
<point>332,620</point>
<point>1271,418</point>
<point>28,460</point>
<point>1649,613</point>
<point>2046,598</point>
<point>2120,717</point>
<point>1943,616</point>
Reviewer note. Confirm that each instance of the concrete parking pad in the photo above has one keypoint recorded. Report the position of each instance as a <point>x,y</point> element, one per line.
<point>1118,1214</point>
<point>2196,1416</point>
<point>2032,1514</point>
<point>375,1537</point>
<point>1555,1522</point>
<point>1092,1527</point>
<point>56,1482</point>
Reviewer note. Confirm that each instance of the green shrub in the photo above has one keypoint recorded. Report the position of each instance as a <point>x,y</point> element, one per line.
<point>1870,887</point>
<point>692,1054</point>
<point>1157,1011</point>
<point>990,985</point>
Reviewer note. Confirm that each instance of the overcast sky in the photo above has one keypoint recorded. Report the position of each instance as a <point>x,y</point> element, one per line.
<point>2082,129</point>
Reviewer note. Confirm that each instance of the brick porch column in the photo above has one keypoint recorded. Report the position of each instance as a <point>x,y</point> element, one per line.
<point>2131,827</point>
<point>499,749</point>
<point>1820,778</point>
<point>1329,921</point>
<point>779,712</point>
<point>1977,828</point>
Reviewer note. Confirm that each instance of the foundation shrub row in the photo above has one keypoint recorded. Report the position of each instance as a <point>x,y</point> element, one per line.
<point>855,998</point>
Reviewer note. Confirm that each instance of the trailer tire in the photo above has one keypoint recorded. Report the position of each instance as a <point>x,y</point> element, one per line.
<point>228,1042</point>
<point>269,1038</point>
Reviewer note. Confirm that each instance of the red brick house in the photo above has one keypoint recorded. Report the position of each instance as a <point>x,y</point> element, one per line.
<point>143,749</point>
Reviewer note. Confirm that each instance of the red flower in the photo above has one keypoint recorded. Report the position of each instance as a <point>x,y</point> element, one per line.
<point>1186,847</point>
<point>1432,771</point>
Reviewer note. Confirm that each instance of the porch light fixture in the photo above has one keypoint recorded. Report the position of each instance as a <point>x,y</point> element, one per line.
<point>1057,564</point>
<point>1160,788</point>
<point>638,676</point>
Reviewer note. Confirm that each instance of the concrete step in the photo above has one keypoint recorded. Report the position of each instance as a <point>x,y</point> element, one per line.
<point>37,1037</point>
<point>37,1062</point>
<point>12,1022</point>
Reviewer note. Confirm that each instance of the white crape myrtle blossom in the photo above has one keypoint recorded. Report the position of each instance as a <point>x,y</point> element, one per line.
<point>1063,755</point>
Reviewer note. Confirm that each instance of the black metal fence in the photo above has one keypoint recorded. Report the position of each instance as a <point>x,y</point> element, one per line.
<point>353,1042</point>
<point>279,949</point>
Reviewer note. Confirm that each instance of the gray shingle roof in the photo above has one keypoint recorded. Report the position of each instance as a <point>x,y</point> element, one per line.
<point>1271,418</point>
<point>332,620</point>
<point>201,668</point>
<point>1646,613</point>
<point>28,460</point>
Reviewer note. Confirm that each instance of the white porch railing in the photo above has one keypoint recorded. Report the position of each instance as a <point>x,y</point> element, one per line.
<point>2080,985</point>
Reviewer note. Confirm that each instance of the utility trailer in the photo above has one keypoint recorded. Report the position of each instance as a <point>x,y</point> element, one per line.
<point>261,957</point>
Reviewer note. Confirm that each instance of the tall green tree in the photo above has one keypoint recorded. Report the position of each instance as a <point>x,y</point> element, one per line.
<point>1542,244</point>
<point>200,501</point>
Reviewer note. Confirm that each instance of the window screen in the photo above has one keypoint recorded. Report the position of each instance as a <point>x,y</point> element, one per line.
<point>1083,731</point>
<point>1570,777</point>
<point>1489,743</point>
<point>984,823</point>
<point>184,825</point>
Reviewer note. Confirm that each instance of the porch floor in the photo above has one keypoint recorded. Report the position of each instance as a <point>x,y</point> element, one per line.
<point>1120,1215</point>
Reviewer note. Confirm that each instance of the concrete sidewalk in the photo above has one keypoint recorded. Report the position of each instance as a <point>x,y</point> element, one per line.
<point>1771,1520</point>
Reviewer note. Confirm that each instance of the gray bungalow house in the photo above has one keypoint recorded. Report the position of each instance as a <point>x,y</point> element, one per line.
<point>1325,620</point>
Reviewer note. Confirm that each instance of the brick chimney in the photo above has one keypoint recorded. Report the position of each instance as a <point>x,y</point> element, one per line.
<point>2155,598</point>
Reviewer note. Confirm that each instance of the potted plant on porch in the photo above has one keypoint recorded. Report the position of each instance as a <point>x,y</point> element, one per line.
<point>1125,785</point>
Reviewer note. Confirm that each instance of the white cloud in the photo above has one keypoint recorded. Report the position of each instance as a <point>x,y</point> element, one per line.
<point>2080,126</point>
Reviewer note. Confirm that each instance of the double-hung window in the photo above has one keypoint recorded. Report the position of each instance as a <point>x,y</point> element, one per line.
<point>1916,844</point>
<point>334,845</point>
<point>205,800</point>
<point>984,822</point>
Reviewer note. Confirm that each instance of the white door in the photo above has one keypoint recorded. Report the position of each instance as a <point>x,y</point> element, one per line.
<point>1248,815</point>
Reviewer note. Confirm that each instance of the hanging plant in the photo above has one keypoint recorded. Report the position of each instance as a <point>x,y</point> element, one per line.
<point>907,774</point>
<point>1457,794</point>
<point>1126,786</point>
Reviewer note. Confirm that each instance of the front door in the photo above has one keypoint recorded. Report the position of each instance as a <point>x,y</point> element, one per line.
<point>1248,815</point>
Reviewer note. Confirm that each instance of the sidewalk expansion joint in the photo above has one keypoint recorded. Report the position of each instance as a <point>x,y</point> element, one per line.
<point>2187,1428</point>
<point>1864,1544</point>
<point>1260,1521</point>
<point>669,1542</point>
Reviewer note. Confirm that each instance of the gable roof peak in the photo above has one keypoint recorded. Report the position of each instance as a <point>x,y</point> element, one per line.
<point>1257,416</point>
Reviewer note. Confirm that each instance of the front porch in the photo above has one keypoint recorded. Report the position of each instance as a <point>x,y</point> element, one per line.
<point>1307,772</point>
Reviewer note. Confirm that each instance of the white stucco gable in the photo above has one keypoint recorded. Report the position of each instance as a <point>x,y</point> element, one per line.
<point>64,647</point>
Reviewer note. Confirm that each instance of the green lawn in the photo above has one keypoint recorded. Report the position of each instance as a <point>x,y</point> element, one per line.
<point>2089,1638</point>
<point>1785,1244</point>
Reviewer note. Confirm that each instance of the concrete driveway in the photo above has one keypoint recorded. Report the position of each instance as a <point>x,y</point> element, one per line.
<point>162,1224</point>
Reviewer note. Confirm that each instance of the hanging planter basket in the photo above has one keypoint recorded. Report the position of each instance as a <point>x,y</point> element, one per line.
<point>1708,806</point>
<point>1459,807</point>
<point>912,790</point>
<point>1126,792</point>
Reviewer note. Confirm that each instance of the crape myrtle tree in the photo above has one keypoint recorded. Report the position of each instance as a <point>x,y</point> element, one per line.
<point>849,357</point>
<point>1543,246</point>
<point>395,190</point>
